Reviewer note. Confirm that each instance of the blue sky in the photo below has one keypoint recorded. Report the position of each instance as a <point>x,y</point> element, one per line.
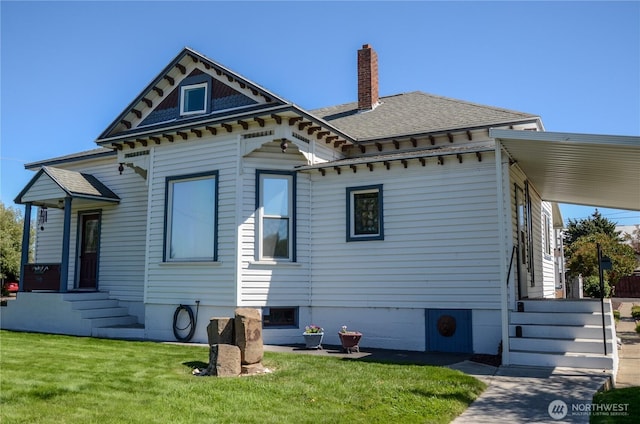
<point>69,68</point>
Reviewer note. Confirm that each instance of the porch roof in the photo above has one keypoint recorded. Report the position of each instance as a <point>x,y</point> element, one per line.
<point>585,169</point>
<point>50,185</point>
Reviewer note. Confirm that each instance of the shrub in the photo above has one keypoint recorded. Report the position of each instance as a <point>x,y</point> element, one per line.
<point>616,315</point>
<point>638,328</point>
<point>635,312</point>
<point>591,287</point>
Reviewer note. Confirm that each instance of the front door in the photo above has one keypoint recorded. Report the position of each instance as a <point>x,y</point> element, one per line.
<point>89,246</point>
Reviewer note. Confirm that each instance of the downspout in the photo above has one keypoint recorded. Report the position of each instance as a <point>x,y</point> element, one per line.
<point>66,238</point>
<point>26,238</point>
<point>504,293</point>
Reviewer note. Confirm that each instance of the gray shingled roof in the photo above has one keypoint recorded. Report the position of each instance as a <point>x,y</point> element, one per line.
<point>415,113</point>
<point>88,154</point>
<point>78,184</point>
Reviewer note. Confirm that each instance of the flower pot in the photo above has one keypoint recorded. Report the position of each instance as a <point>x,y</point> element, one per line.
<point>313,340</point>
<point>350,341</point>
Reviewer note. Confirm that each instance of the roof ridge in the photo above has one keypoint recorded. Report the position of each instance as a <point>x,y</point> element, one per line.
<point>435,96</point>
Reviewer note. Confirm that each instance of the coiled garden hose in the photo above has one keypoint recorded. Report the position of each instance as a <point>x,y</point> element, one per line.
<point>191,326</point>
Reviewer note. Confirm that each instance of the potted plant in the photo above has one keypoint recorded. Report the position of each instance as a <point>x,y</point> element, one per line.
<point>350,339</point>
<point>313,335</point>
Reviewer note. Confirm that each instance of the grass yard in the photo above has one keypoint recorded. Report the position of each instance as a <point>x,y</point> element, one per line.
<point>60,379</point>
<point>629,396</point>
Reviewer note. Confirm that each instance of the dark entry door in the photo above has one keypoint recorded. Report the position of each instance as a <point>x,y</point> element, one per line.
<point>89,245</point>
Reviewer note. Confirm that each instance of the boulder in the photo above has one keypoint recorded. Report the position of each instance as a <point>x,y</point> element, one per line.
<point>224,360</point>
<point>220,331</point>
<point>248,332</point>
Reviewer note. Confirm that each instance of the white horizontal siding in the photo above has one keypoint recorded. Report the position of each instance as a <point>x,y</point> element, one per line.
<point>211,283</point>
<point>441,239</point>
<point>265,284</point>
<point>43,188</point>
<point>122,231</point>
<point>48,245</point>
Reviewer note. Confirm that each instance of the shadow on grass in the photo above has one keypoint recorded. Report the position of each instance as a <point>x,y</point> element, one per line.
<point>195,364</point>
<point>458,397</point>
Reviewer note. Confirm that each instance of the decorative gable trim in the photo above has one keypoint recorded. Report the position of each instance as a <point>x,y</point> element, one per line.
<point>166,83</point>
<point>300,121</point>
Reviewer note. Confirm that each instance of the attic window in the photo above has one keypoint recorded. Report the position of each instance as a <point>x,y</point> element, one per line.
<point>193,99</point>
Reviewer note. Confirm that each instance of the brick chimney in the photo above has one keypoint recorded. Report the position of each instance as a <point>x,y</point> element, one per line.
<point>367,78</point>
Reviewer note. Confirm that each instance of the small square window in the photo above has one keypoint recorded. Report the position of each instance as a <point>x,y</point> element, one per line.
<point>280,317</point>
<point>364,213</point>
<point>193,99</point>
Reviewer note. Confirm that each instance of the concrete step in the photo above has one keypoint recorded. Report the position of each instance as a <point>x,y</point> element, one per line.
<point>94,304</point>
<point>555,318</point>
<point>75,296</point>
<point>112,321</point>
<point>572,360</point>
<point>128,332</point>
<point>104,312</point>
<point>565,305</point>
<point>526,344</point>
<point>560,331</point>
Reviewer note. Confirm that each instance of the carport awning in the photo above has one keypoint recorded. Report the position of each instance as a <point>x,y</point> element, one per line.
<point>584,169</point>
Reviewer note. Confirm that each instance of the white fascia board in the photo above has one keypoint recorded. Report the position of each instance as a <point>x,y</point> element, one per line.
<point>562,137</point>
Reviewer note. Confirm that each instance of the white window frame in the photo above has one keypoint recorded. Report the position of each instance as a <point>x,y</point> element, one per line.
<point>183,91</point>
<point>261,175</point>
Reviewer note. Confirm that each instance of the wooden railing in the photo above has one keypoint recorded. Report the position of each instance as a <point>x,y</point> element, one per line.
<point>41,277</point>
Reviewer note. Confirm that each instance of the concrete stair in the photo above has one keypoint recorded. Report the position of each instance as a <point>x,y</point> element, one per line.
<point>75,313</point>
<point>563,333</point>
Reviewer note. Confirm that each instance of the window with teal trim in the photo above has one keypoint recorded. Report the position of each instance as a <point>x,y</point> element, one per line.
<point>365,213</point>
<point>191,218</point>
<point>276,215</point>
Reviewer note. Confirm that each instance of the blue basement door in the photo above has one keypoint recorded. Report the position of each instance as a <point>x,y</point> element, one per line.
<point>449,330</point>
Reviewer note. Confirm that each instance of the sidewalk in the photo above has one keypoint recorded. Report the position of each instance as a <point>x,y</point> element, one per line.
<point>629,352</point>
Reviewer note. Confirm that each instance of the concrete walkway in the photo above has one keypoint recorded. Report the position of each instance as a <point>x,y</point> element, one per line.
<point>629,352</point>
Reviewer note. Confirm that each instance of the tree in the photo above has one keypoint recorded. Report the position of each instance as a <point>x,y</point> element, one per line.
<point>584,257</point>
<point>634,239</point>
<point>11,225</point>
<point>596,223</point>
<point>581,253</point>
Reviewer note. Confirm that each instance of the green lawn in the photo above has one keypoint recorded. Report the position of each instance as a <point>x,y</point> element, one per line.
<point>61,379</point>
<point>625,401</point>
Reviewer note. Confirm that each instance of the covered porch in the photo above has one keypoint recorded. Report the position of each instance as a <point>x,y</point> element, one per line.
<point>57,188</point>
<point>583,169</point>
<point>63,296</point>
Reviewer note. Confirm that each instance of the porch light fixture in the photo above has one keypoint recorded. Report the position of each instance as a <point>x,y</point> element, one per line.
<point>121,168</point>
<point>284,145</point>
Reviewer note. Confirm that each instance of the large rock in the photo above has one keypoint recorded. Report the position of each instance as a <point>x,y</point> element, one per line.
<point>220,331</point>
<point>224,360</point>
<point>248,330</point>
